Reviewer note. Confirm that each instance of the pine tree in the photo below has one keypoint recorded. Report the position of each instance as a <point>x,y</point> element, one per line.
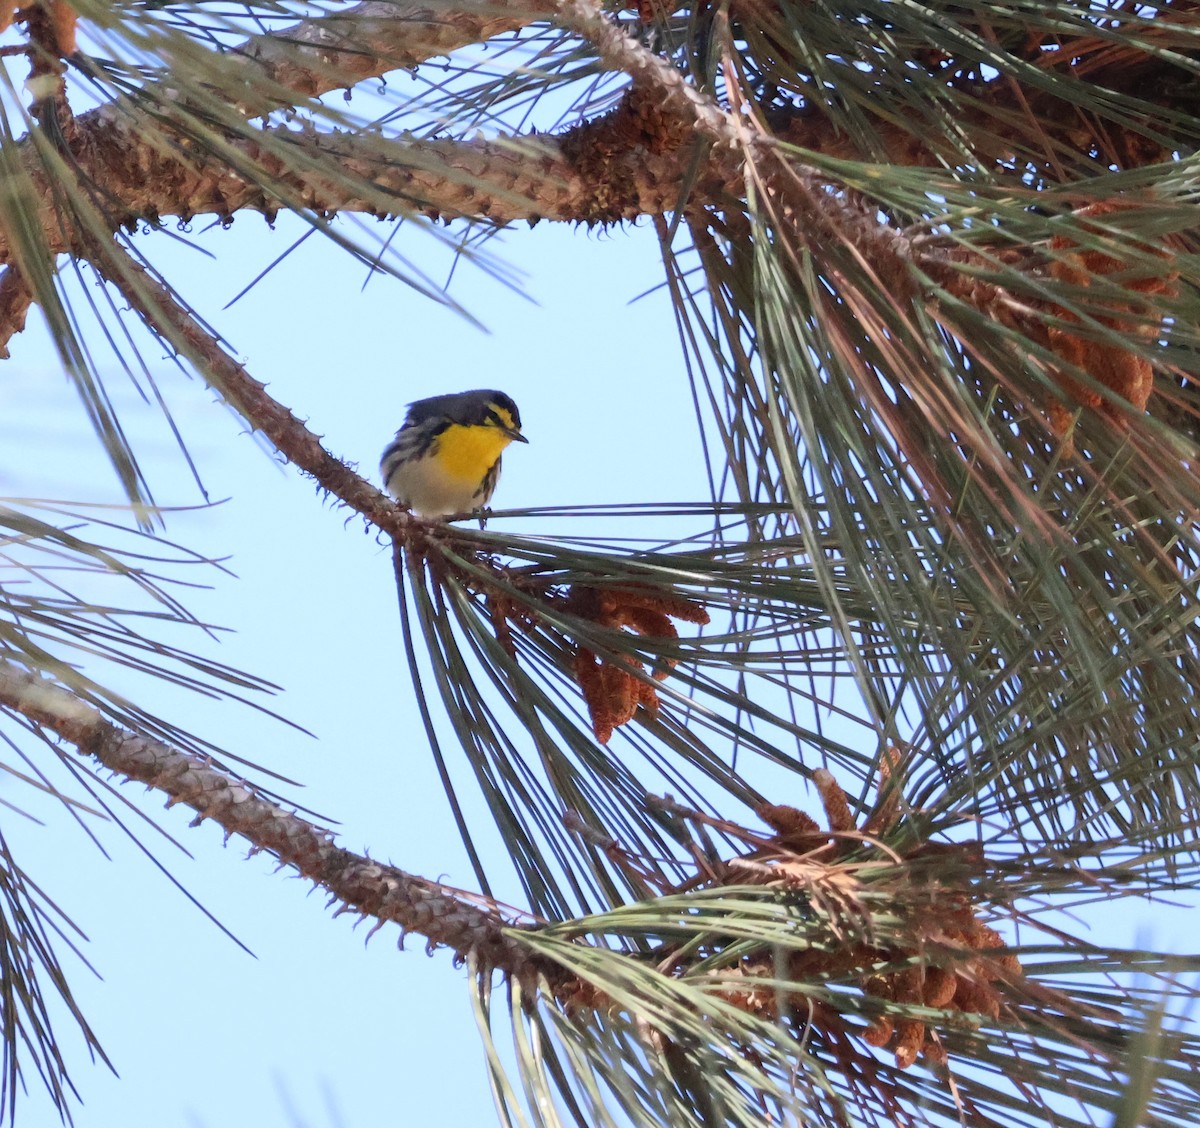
<point>932,266</point>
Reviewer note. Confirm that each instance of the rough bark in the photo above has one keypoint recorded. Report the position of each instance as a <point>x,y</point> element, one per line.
<point>502,181</point>
<point>368,40</point>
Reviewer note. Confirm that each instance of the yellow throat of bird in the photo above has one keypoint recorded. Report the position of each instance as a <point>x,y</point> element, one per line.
<point>467,453</point>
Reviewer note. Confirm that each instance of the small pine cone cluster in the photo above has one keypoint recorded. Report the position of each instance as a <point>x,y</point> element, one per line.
<point>968,985</point>
<point>1127,373</point>
<point>613,692</point>
<point>967,976</point>
<point>798,832</point>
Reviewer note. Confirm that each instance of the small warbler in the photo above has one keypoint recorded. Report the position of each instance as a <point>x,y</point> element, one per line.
<point>446,457</point>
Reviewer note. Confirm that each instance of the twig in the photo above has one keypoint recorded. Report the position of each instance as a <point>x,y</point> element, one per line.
<point>158,307</point>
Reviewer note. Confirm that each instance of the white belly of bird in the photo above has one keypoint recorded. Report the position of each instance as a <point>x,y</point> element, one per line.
<point>429,491</point>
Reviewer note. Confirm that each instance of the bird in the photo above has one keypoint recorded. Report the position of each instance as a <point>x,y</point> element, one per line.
<point>445,460</point>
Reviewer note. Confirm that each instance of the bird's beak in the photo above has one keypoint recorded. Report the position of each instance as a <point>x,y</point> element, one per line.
<point>515,435</point>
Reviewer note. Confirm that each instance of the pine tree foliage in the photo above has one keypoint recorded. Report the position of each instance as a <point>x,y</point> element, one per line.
<point>934,270</point>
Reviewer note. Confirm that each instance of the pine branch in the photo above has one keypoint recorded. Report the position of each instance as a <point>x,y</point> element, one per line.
<point>369,40</point>
<point>446,917</point>
<point>499,181</point>
<point>147,174</point>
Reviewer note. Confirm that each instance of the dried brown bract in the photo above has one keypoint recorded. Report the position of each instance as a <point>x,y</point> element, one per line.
<point>614,693</point>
